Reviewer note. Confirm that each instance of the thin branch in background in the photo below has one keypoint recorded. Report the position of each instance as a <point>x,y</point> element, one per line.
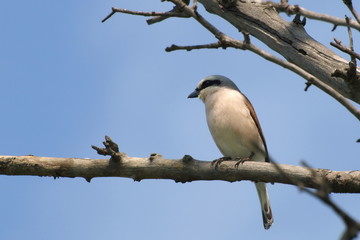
<point>322,193</point>
<point>348,3</point>
<point>296,9</point>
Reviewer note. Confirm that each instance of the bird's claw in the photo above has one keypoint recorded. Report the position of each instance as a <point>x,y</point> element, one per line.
<point>242,160</point>
<point>217,162</point>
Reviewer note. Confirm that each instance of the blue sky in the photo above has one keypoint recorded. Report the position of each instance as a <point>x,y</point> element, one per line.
<point>67,80</point>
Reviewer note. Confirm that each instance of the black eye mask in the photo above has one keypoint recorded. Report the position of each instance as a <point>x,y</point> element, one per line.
<point>209,83</point>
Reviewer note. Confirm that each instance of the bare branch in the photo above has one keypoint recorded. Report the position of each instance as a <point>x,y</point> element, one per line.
<point>344,49</point>
<point>186,169</point>
<point>348,3</point>
<point>146,14</point>
<point>296,9</point>
<point>216,45</point>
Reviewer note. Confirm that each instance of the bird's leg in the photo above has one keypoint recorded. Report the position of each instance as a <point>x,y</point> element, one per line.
<point>217,162</point>
<point>242,160</point>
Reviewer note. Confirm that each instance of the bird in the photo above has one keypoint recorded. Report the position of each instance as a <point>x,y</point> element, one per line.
<point>235,128</point>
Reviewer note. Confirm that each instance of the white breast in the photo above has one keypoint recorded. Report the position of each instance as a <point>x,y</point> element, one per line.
<point>231,125</point>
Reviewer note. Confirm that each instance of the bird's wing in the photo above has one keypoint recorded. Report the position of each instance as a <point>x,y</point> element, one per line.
<point>257,123</point>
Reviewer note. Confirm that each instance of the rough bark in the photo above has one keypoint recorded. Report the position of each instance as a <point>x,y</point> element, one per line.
<point>288,39</point>
<point>186,169</point>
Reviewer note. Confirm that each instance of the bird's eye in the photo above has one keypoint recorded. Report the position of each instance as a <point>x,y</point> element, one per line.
<point>209,83</point>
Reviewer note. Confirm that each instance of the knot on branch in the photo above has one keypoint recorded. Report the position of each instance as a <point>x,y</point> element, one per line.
<point>154,156</point>
<point>111,149</point>
<point>187,159</point>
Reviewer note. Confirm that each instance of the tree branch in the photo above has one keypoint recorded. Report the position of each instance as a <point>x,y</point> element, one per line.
<point>348,3</point>
<point>338,44</point>
<point>296,9</point>
<point>146,14</point>
<point>183,170</point>
<point>288,39</point>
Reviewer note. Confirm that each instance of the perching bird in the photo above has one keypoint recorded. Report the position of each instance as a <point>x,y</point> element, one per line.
<point>235,128</point>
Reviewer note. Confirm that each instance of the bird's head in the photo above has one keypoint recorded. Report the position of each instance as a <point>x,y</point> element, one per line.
<point>210,85</point>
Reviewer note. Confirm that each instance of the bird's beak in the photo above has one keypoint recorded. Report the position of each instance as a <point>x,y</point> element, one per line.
<point>194,94</point>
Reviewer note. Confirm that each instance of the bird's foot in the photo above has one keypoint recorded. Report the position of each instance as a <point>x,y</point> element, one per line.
<point>242,160</point>
<point>217,162</point>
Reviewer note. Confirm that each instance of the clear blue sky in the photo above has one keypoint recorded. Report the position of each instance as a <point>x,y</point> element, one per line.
<point>67,80</point>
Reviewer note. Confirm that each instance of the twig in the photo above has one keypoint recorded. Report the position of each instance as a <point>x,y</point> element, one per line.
<point>146,14</point>
<point>296,9</point>
<point>349,32</point>
<point>348,3</point>
<point>111,149</point>
<point>344,49</point>
<point>193,13</point>
<point>216,45</point>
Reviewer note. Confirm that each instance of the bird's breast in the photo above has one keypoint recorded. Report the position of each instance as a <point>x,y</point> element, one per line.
<point>232,127</point>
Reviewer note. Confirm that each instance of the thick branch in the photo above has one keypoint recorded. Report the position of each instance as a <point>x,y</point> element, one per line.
<point>186,169</point>
<point>288,39</point>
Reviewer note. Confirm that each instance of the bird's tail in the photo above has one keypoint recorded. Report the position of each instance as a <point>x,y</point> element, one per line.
<point>265,204</point>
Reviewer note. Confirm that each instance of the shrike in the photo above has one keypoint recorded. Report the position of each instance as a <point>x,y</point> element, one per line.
<point>235,128</point>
